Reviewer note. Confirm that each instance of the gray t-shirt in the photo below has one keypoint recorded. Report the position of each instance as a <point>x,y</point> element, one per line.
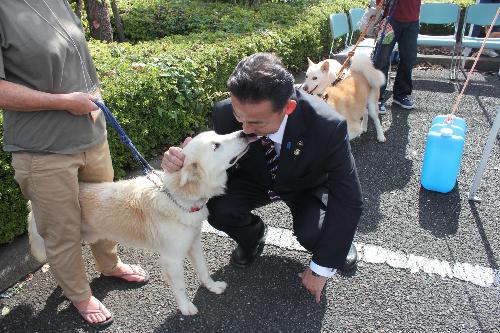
<point>37,51</point>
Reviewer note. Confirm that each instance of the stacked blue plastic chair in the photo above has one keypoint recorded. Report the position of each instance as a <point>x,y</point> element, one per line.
<point>441,13</point>
<point>479,14</point>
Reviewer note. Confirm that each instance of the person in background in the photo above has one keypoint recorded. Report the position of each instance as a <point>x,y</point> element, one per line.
<point>476,32</point>
<point>405,25</point>
<point>57,137</point>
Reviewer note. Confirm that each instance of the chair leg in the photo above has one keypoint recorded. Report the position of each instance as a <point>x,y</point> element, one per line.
<point>389,72</point>
<point>460,63</point>
<point>452,65</point>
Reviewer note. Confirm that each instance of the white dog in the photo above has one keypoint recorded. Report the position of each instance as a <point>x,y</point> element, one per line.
<point>321,75</point>
<point>166,218</point>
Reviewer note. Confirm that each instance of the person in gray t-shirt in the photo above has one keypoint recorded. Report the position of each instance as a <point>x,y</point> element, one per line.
<point>57,137</point>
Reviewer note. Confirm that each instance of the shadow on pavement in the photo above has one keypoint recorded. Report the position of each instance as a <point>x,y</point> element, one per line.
<point>438,212</point>
<point>484,238</point>
<point>382,171</point>
<point>58,315</point>
<point>257,299</point>
<point>433,85</point>
<point>486,88</point>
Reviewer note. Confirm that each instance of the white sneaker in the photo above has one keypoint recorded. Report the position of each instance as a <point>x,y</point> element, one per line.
<point>490,53</point>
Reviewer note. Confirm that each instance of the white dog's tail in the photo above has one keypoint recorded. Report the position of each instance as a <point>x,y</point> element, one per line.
<point>36,241</point>
<point>363,65</point>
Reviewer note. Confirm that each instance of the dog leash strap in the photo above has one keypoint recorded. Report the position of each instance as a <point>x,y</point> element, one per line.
<point>459,97</point>
<point>340,74</point>
<point>146,168</point>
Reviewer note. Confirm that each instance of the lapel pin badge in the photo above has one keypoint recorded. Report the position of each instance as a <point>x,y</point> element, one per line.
<point>300,144</point>
<point>296,152</point>
<point>288,145</point>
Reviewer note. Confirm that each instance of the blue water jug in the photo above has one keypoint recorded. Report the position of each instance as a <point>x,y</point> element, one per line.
<point>443,153</point>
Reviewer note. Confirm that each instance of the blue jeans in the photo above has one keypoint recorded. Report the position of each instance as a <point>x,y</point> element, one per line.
<point>405,34</point>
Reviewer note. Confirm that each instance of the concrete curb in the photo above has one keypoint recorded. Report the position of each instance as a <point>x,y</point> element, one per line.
<point>484,64</point>
<point>16,262</point>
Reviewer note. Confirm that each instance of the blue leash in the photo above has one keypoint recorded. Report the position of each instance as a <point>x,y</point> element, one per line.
<point>146,168</point>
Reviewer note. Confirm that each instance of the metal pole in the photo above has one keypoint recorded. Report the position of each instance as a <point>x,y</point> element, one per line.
<point>484,158</point>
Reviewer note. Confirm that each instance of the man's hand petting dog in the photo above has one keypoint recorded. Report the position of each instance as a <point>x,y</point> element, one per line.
<point>173,158</point>
<point>314,284</point>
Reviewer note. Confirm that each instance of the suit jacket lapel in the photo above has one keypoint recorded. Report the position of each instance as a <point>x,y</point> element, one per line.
<point>291,146</point>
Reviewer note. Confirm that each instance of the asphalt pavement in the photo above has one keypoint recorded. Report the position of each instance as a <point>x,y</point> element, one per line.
<point>384,294</point>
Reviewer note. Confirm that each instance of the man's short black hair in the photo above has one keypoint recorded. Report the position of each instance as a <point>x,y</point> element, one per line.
<point>261,77</point>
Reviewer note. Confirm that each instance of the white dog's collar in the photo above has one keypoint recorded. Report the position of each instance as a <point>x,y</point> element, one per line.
<point>191,209</point>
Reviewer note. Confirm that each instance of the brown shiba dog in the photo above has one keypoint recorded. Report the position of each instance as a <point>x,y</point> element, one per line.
<point>350,97</point>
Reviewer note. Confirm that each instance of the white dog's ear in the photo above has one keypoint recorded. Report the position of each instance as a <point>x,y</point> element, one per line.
<point>325,66</point>
<point>189,173</point>
<point>310,62</point>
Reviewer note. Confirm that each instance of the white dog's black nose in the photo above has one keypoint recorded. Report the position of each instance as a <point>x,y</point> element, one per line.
<point>250,137</point>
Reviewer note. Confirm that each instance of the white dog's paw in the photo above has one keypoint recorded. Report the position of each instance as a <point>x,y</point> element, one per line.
<point>217,287</point>
<point>188,309</point>
<point>381,138</point>
<point>365,129</point>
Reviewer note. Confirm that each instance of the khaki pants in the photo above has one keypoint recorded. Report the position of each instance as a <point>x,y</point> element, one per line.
<point>50,182</point>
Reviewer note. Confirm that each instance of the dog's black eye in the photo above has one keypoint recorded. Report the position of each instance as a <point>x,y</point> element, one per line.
<point>315,78</point>
<point>216,145</point>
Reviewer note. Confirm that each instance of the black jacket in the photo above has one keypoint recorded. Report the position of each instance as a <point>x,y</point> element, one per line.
<point>315,157</point>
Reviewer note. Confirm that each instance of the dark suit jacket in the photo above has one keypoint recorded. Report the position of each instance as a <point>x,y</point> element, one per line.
<point>315,157</point>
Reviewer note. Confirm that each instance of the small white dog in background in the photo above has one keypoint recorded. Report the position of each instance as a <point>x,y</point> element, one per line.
<point>351,96</point>
<point>321,75</point>
<point>166,220</point>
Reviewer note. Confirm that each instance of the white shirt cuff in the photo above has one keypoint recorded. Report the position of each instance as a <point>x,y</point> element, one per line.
<point>323,271</point>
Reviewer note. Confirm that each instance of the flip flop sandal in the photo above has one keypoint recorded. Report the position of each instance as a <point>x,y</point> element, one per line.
<point>84,313</point>
<point>122,277</point>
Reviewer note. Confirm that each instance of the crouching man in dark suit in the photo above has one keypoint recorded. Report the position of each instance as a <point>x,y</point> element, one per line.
<point>302,157</point>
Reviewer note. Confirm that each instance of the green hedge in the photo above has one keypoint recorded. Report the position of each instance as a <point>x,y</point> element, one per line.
<point>152,19</point>
<point>12,205</point>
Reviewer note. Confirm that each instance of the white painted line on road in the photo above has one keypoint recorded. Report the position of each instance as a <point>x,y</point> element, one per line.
<point>478,275</point>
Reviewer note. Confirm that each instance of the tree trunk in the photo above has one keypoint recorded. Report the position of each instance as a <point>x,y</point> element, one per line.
<point>254,3</point>
<point>118,21</point>
<point>98,17</point>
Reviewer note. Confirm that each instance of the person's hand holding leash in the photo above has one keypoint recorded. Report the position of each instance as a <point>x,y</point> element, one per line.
<point>79,104</point>
<point>173,158</point>
<point>313,283</point>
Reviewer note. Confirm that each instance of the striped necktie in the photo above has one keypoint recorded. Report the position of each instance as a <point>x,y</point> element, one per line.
<point>272,160</point>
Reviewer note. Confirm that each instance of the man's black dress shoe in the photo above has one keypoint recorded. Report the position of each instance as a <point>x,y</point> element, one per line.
<point>351,259</point>
<point>242,258</point>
